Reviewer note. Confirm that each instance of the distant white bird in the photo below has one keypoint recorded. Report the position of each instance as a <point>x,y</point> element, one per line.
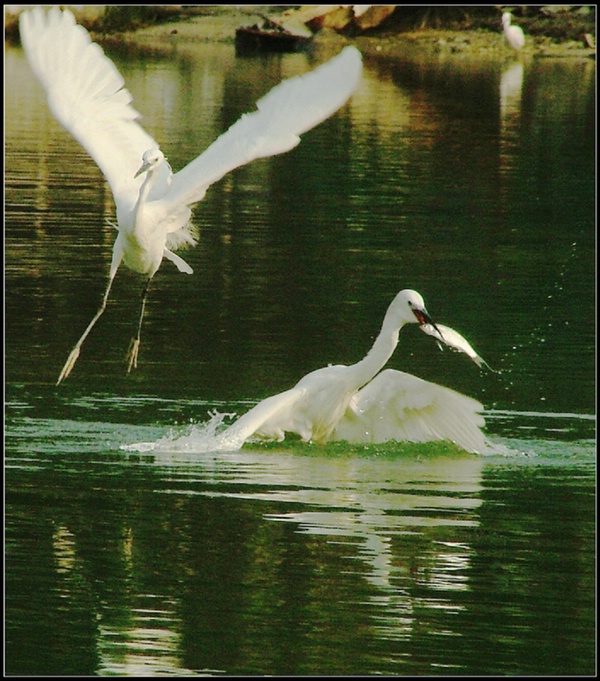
<point>514,34</point>
<point>86,95</point>
<point>447,336</point>
<point>359,404</point>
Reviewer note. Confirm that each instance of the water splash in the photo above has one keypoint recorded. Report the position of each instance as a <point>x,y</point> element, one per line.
<point>209,436</point>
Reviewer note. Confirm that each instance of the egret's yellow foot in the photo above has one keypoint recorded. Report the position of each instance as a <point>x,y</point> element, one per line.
<point>69,364</point>
<point>132,354</point>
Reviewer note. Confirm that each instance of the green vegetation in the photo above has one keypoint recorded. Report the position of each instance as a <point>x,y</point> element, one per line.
<point>388,450</point>
<point>131,17</point>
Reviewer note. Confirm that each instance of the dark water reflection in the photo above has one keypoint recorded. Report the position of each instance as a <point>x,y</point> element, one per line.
<point>471,182</point>
<point>293,560</point>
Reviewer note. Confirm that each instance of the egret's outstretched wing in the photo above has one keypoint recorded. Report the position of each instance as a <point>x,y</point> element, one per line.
<point>288,110</point>
<point>398,406</point>
<point>267,419</point>
<point>86,94</point>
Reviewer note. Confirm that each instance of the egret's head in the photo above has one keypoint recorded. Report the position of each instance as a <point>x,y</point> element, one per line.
<point>506,17</point>
<point>412,308</point>
<point>151,158</point>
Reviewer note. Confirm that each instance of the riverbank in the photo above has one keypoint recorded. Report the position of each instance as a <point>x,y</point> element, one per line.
<point>471,36</point>
<point>392,39</point>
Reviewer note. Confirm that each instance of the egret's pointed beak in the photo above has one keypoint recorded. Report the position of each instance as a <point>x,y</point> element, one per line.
<point>423,318</point>
<point>143,168</point>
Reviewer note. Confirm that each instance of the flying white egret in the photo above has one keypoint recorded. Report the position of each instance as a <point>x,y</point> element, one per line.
<point>86,94</point>
<point>362,404</point>
<point>514,34</point>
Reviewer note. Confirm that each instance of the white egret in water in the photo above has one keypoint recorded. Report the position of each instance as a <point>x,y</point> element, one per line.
<point>362,404</point>
<point>86,95</point>
<point>514,34</point>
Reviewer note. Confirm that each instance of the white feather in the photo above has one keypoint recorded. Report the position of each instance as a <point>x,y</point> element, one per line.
<point>398,406</point>
<point>286,112</point>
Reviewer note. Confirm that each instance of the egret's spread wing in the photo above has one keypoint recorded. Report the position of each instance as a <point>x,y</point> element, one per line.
<point>264,415</point>
<point>86,95</point>
<point>288,110</point>
<point>398,406</point>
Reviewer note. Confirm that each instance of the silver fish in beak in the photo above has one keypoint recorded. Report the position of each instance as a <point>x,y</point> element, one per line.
<point>453,339</point>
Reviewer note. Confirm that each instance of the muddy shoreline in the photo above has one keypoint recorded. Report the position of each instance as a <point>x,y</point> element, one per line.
<point>219,23</point>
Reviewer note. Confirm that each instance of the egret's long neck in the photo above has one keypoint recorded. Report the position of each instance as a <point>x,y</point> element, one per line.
<point>382,349</point>
<point>139,224</point>
<point>145,189</point>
